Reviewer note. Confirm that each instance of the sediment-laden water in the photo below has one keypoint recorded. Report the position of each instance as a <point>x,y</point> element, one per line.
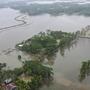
<point>67,67</point>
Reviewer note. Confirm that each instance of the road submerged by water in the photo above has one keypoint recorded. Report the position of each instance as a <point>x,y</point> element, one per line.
<point>22,20</point>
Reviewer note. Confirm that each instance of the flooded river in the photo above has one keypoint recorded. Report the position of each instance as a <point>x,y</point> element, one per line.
<point>67,67</point>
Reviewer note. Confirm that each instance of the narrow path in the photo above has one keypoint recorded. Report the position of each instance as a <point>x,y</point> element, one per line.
<point>23,22</point>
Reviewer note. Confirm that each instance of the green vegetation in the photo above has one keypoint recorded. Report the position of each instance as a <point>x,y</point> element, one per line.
<point>85,70</point>
<point>37,74</point>
<point>47,44</point>
<point>41,43</point>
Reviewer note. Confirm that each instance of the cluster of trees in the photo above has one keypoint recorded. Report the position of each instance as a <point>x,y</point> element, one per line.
<point>47,43</point>
<point>85,70</point>
<point>39,74</point>
<point>41,43</point>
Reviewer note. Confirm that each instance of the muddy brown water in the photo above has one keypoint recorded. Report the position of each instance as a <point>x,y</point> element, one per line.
<point>67,67</point>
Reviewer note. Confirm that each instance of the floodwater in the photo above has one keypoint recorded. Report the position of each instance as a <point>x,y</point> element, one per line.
<point>67,67</point>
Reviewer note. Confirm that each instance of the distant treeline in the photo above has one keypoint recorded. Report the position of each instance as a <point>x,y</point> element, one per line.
<point>55,9</point>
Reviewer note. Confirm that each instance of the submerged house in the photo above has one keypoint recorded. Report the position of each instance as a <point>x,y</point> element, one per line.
<point>9,85</point>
